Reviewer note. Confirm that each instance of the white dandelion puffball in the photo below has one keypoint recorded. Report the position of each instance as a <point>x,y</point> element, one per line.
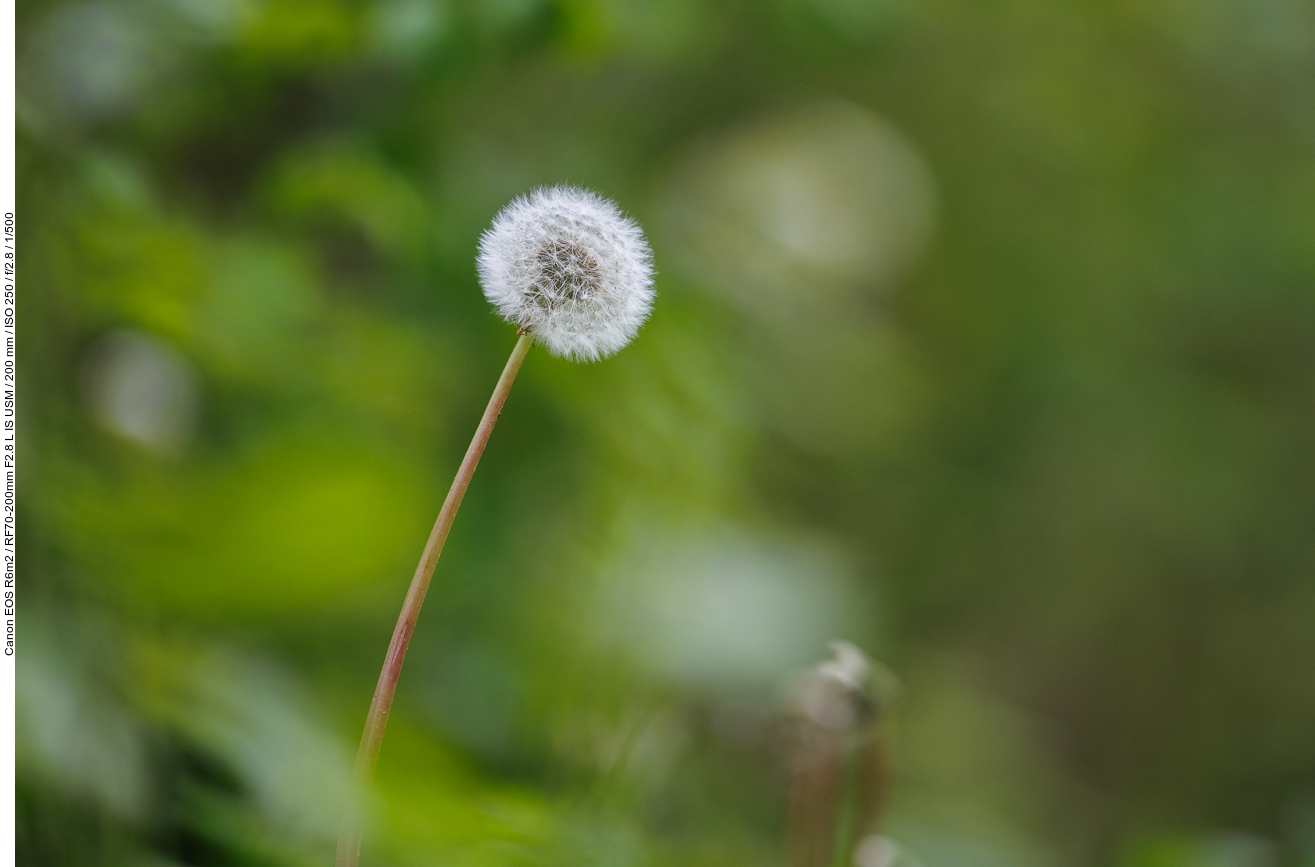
<point>568,267</point>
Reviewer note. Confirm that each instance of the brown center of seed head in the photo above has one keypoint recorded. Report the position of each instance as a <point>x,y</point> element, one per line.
<point>566,273</point>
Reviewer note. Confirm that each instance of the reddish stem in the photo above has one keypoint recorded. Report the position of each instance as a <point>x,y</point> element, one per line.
<point>349,843</point>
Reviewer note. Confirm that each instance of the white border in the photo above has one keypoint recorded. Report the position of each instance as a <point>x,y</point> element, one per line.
<point>7,430</point>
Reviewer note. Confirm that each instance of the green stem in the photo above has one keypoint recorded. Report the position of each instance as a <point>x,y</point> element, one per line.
<point>349,843</point>
<point>845,821</point>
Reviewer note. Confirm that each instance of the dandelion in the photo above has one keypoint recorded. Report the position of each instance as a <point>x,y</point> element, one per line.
<point>573,273</point>
<point>568,267</point>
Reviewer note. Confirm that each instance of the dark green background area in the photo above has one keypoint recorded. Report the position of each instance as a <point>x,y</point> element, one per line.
<point>985,338</point>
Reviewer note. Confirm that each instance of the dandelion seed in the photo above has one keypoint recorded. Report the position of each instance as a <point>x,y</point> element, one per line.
<point>566,266</point>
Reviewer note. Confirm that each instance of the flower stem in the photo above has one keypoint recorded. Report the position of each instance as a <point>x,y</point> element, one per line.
<point>349,843</point>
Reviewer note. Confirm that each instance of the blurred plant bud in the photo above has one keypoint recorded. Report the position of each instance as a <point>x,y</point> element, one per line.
<point>838,757</point>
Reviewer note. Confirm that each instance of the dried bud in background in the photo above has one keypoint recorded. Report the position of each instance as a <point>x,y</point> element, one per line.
<point>838,756</point>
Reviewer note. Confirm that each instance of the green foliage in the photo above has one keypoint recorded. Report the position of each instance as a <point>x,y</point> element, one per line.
<point>985,338</point>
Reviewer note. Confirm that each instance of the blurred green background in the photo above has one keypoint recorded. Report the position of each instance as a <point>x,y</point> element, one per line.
<point>985,339</point>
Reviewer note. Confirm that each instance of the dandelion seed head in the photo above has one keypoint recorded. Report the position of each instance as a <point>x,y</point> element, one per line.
<point>567,266</point>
